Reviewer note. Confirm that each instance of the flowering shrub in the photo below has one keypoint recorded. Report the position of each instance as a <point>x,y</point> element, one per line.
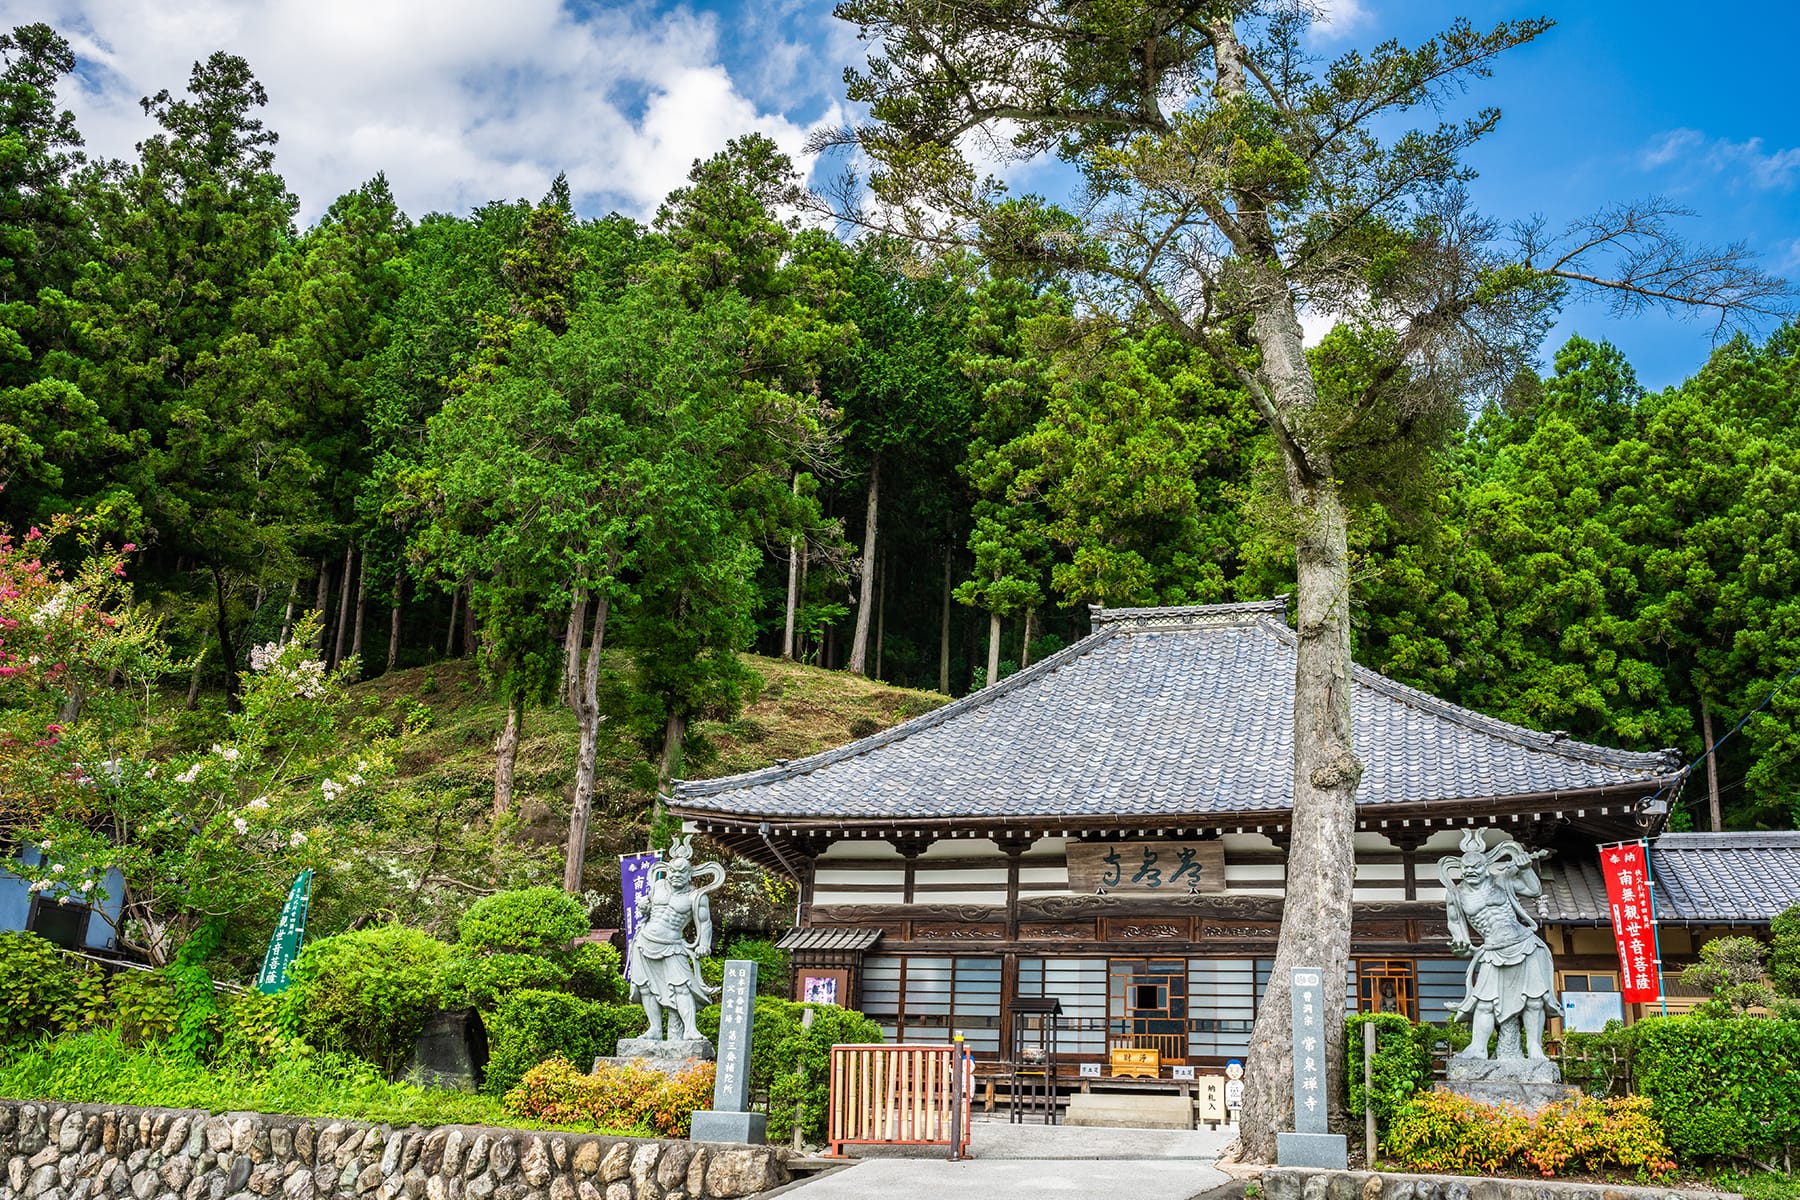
<point>1442,1131</point>
<point>632,1098</point>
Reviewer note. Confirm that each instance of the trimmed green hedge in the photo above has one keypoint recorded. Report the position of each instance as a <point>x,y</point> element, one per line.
<point>531,1026</point>
<point>1725,1088</point>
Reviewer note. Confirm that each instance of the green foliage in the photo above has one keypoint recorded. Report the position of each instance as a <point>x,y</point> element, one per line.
<point>531,1026</point>
<point>791,1062</point>
<point>595,974</point>
<point>1724,1089</point>
<point>41,989</point>
<point>1442,1131</point>
<point>771,964</point>
<point>1402,1066</point>
<point>1731,968</point>
<point>1784,952</point>
<point>365,993</point>
<point>1599,1063</point>
<point>98,1067</point>
<point>530,920</point>
<point>482,982</point>
<point>630,1098</point>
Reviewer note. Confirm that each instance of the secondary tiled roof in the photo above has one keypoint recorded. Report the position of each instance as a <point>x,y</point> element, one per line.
<point>1164,713</point>
<point>828,937</point>
<point>1699,878</point>
<point>1728,876</point>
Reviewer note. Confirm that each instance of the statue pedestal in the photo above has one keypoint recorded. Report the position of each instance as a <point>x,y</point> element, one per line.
<point>750,1128</point>
<point>670,1057</point>
<point>1525,1083</point>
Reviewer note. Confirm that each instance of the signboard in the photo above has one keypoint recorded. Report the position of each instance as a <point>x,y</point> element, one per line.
<point>737,1008</point>
<point>824,987</point>
<point>1212,1098</point>
<point>1090,1070</point>
<point>1181,1072</point>
<point>634,879</point>
<point>284,943</point>
<point>1159,866</point>
<point>1588,1012</point>
<point>1627,874</point>
<point>1308,995</point>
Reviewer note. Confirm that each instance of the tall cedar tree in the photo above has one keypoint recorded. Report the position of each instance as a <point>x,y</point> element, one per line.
<point>1231,185</point>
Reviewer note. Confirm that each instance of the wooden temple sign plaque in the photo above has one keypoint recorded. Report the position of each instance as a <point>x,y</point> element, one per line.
<point>1167,867</point>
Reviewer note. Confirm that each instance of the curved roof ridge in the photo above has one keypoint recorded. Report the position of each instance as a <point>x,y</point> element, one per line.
<point>1238,612</point>
<point>875,741</point>
<point>1532,739</point>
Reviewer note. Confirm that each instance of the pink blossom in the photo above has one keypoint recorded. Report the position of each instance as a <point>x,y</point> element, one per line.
<point>128,547</point>
<point>33,535</point>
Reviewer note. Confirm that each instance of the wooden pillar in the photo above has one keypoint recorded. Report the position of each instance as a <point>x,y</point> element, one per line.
<point>910,848</point>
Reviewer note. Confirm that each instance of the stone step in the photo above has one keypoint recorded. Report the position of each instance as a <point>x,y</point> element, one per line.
<point>1114,1110</point>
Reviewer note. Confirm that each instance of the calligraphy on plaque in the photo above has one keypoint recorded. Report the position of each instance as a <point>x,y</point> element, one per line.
<point>1177,867</point>
<point>737,1009</point>
<point>1308,997</point>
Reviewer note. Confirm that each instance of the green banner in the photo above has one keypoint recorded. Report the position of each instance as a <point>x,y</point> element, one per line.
<point>284,943</point>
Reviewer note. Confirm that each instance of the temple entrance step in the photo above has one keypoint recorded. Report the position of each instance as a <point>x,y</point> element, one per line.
<point>1129,1110</point>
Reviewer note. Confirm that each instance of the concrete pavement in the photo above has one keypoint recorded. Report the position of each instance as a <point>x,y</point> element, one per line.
<point>1032,1162</point>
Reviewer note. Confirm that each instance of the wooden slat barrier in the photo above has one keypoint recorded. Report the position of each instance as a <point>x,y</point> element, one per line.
<point>894,1095</point>
<point>1170,1047</point>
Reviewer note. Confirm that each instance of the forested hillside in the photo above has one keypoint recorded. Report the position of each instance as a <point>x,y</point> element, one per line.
<point>581,465</point>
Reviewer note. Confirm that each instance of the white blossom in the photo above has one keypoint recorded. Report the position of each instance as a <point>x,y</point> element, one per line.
<point>260,803</point>
<point>189,775</point>
<point>265,656</point>
<point>241,825</point>
<point>331,788</point>
<point>297,840</point>
<point>353,779</point>
<point>87,885</point>
<point>52,608</point>
<point>228,753</point>
<point>39,885</point>
<point>58,869</point>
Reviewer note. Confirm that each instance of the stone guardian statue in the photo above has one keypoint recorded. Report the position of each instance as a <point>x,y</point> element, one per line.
<point>665,966</point>
<point>1510,982</point>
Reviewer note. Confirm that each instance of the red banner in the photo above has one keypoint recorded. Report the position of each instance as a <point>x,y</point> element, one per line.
<point>1634,928</point>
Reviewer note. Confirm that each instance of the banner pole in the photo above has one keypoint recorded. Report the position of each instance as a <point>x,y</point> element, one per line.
<point>1662,991</point>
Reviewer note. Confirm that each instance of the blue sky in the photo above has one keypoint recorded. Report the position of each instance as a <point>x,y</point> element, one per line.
<point>462,101</point>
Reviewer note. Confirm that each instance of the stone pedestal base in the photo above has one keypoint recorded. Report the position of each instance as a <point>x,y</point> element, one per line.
<point>1526,1083</point>
<point>669,1057</point>
<point>1329,1150</point>
<point>745,1127</point>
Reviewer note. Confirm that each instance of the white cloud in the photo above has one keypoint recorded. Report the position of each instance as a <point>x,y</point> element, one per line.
<point>458,101</point>
<point>1339,19</point>
<point>1741,162</point>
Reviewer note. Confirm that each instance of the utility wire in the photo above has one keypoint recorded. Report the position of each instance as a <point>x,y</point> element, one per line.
<point>1714,748</point>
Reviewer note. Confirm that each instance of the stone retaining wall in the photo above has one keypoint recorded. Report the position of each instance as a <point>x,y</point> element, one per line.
<point>54,1151</point>
<point>1302,1183</point>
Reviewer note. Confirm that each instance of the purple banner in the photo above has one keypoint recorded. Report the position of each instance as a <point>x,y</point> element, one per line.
<point>634,877</point>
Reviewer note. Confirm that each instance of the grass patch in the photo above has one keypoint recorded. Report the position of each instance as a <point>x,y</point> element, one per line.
<point>1759,1185</point>
<point>97,1068</point>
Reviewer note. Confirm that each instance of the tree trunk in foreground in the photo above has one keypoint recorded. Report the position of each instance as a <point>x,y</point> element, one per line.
<point>1315,919</point>
<point>587,722</point>
<point>506,753</point>
<point>227,648</point>
<point>859,647</point>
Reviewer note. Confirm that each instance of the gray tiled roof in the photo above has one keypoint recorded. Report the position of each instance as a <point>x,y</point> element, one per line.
<point>1699,877</point>
<point>1163,713</point>
<point>828,937</point>
<point>1727,876</point>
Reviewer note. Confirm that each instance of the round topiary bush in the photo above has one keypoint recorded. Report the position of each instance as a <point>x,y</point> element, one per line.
<point>366,992</point>
<point>531,920</point>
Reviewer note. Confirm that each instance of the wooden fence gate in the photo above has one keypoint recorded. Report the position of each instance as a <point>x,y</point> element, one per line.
<point>896,1095</point>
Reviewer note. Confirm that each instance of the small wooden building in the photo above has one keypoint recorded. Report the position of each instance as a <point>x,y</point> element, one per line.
<point>1109,828</point>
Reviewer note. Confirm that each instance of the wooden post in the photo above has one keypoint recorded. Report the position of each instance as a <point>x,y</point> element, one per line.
<point>1369,1093</point>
